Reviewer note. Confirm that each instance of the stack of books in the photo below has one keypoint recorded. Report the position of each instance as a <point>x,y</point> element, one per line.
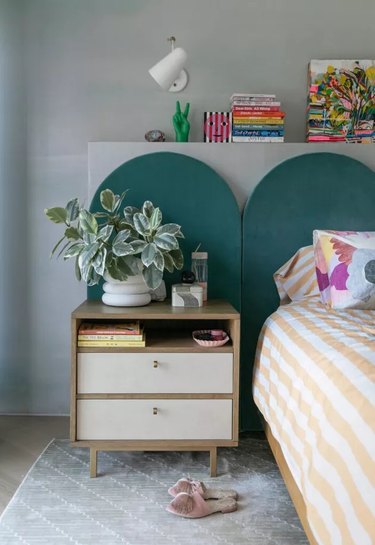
<point>112,334</point>
<point>256,118</point>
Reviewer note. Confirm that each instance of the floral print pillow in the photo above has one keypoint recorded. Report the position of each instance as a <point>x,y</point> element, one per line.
<point>345,268</point>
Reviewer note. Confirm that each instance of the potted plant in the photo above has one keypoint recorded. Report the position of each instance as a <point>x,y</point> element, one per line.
<point>130,248</point>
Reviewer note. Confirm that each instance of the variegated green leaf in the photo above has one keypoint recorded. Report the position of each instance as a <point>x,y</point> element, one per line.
<point>122,236</point>
<point>56,246</point>
<point>119,199</point>
<point>86,258</point>
<point>159,261</point>
<point>105,233</point>
<point>165,241</point>
<point>99,261</point>
<point>138,245</point>
<point>141,223</point>
<point>122,249</point>
<point>93,277</point>
<point>88,222</point>
<point>129,212</point>
<point>148,254</point>
<point>178,258</point>
<point>118,269</point>
<point>72,233</point>
<point>170,228</point>
<point>148,209</point>
<point>156,218</point>
<point>152,276</point>
<point>74,250</point>
<point>56,214</point>
<point>168,262</point>
<point>63,248</point>
<point>89,238</point>
<point>123,224</point>
<point>134,263</point>
<point>72,210</point>
<point>77,270</point>
<point>108,200</point>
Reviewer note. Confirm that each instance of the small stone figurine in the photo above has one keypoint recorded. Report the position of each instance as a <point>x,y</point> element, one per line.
<point>155,136</point>
<point>180,123</point>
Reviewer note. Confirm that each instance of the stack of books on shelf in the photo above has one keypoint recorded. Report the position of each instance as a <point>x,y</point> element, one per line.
<point>116,334</point>
<point>256,118</point>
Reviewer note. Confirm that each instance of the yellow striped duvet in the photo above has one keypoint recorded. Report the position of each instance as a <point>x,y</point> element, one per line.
<point>314,383</point>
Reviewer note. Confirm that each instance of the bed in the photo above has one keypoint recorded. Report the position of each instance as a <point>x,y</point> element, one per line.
<point>313,378</point>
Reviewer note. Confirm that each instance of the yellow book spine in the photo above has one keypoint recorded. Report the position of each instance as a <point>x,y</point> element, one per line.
<point>109,344</point>
<point>258,120</point>
<point>122,338</point>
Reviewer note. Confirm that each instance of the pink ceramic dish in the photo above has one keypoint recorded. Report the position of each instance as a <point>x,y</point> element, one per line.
<point>209,344</point>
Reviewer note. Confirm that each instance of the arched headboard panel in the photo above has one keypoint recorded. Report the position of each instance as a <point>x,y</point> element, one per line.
<point>319,190</point>
<point>193,195</point>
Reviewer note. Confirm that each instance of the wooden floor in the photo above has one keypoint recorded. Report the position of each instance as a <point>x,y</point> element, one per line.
<point>22,439</point>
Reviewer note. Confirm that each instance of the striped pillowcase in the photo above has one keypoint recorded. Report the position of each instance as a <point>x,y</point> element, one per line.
<point>296,279</point>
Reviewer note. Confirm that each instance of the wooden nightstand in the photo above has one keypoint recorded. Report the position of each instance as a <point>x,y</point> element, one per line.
<point>171,395</point>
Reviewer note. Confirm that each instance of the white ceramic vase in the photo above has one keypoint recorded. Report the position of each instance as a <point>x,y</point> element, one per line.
<point>132,292</point>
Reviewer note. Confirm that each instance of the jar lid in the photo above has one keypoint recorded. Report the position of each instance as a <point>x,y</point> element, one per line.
<point>199,255</point>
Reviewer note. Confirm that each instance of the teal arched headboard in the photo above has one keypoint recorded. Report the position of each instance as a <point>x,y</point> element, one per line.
<point>318,190</point>
<point>193,195</point>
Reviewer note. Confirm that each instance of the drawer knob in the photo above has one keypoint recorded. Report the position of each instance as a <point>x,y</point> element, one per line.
<point>154,410</point>
<point>155,364</point>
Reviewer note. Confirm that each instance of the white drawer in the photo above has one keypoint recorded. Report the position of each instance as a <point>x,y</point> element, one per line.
<point>128,419</point>
<point>181,373</point>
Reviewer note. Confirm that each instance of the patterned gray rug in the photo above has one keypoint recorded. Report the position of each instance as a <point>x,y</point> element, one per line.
<point>58,503</point>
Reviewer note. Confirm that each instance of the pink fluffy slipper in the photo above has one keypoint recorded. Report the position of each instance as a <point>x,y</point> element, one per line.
<point>189,486</point>
<point>193,506</point>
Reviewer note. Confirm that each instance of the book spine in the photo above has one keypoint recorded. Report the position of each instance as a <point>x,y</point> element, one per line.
<point>243,139</point>
<point>251,96</point>
<point>257,127</point>
<point>257,133</point>
<point>258,121</point>
<point>254,102</point>
<point>109,337</point>
<point>261,108</point>
<point>119,344</point>
<point>109,332</point>
<point>258,114</point>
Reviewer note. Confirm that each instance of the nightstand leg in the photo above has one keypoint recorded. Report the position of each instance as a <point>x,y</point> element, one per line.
<point>93,460</point>
<point>213,461</point>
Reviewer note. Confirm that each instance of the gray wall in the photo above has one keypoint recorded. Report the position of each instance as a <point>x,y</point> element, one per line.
<point>14,362</point>
<point>85,71</point>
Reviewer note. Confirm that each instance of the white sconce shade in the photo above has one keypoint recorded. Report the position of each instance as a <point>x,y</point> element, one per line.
<point>169,73</point>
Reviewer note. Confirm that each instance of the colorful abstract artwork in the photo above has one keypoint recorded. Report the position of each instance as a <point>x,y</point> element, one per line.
<point>341,101</point>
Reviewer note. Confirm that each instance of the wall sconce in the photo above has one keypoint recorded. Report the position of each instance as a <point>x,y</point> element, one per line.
<point>169,72</point>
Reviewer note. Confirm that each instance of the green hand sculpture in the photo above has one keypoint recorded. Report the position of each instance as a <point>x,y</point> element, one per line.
<point>180,123</point>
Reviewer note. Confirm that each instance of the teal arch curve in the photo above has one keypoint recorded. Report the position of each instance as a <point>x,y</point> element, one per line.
<point>193,195</point>
<point>313,191</point>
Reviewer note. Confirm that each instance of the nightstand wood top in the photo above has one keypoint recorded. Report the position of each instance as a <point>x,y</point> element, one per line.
<point>214,309</point>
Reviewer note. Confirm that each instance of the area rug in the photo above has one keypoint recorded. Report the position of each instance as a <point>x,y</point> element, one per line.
<point>58,503</point>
